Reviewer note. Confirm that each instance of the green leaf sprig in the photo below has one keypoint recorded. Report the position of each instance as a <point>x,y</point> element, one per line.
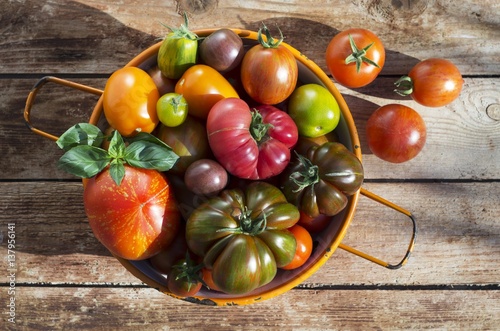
<point>85,158</point>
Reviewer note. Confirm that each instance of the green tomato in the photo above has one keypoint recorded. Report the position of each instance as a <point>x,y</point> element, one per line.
<point>172,109</point>
<point>243,236</point>
<point>178,51</point>
<point>314,110</point>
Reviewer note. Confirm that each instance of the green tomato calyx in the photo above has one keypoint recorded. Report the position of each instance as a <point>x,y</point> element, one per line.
<point>270,42</point>
<point>188,271</point>
<point>248,226</point>
<point>181,32</point>
<point>359,55</point>
<point>307,176</point>
<point>177,102</point>
<point>404,86</point>
<point>259,129</point>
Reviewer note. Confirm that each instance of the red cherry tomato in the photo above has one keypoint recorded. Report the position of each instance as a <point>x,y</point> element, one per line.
<point>395,133</point>
<point>355,57</point>
<point>304,247</point>
<point>432,83</point>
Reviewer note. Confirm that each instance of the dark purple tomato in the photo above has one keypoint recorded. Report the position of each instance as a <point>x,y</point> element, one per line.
<point>222,50</point>
<point>206,177</point>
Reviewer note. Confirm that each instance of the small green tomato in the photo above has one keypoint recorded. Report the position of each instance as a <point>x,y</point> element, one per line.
<point>172,109</point>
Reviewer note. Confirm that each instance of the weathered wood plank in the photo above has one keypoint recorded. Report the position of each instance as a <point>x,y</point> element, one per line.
<point>130,308</point>
<point>458,135</point>
<point>458,240</point>
<point>98,36</point>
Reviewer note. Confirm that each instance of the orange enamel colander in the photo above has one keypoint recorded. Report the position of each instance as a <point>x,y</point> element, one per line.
<point>327,241</point>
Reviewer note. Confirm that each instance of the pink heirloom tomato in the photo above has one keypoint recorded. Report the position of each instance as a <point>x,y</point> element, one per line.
<point>250,144</point>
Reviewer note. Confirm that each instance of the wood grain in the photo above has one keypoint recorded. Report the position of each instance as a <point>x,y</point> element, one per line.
<point>98,36</point>
<point>131,308</point>
<point>65,279</point>
<point>458,239</point>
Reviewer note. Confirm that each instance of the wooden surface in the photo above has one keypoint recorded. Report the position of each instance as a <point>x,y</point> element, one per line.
<point>63,279</point>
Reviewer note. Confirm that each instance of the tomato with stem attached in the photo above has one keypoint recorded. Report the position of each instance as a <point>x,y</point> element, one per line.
<point>269,71</point>
<point>355,57</point>
<point>433,83</point>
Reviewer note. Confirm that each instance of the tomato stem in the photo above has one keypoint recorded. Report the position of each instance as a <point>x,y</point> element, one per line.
<point>189,271</point>
<point>404,86</point>
<point>259,129</point>
<point>183,31</point>
<point>248,226</point>
<point>270,42</point>
<point>359,55</point>
<point>307,177</point>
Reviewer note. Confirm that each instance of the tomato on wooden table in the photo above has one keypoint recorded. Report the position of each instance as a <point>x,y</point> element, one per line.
<point>355,57</point>
<point>250,144</point>
<point>433,83</point>
<point>269,71</point>
<point>396,133</point>
<point>129,101</point>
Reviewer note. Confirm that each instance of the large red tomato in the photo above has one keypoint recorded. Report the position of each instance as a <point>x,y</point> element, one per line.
<point>135,220</point>
<point>250,144</point>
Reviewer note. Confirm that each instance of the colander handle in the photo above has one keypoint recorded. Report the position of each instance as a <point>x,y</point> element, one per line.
<point>31,99</point>
<point>368,257</point>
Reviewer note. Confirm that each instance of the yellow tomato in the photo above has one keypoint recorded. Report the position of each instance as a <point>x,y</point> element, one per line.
<point>129,101</point>
<point>202,86</point>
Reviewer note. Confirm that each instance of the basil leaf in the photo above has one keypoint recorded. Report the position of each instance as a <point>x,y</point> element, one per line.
<point>148,155</point>
<point>80,134</point>
<point>84,161</point>
<point>143,136</point>
<point>117,171</point>
<point>117,146</point>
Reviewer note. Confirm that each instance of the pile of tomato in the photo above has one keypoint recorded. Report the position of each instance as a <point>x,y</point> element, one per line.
<point>220,165</point>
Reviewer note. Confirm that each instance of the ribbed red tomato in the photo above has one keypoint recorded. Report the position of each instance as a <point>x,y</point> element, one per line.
<point>250,144</point>
<point>135,220</point>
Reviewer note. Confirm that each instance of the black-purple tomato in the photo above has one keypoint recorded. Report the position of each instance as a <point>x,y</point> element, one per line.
<point>222,50</point>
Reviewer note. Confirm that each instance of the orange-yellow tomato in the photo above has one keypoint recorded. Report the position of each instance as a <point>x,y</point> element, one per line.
<point>202,86</point>
<point>129,101</point>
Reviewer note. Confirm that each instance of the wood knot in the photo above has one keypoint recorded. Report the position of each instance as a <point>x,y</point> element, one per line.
<point>391,10</point>
<point>196,7</point>
<point>493,111</point>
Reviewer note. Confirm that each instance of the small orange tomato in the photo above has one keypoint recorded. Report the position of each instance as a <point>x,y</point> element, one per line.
<point>208,279</point>
<point>304,247</point>
<point>129,101</point>
<point>202,86</point>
